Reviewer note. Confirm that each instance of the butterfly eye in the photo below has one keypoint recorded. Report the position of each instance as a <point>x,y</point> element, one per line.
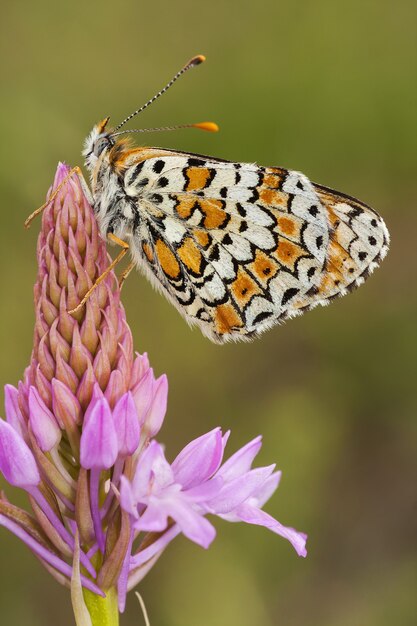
<point>102,142</point>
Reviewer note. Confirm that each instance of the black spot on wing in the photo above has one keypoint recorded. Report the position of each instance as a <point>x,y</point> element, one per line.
<point>214,254</point>
<point>163,181</point>
<point>288,294</point>
<point>261,317</point>
<point>195,162</point>
<point>158,166</point>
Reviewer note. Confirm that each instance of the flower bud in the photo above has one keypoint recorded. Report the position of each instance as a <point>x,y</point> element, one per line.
<point>98,439</point>
<point>17,463</point>
<point>43,424</point>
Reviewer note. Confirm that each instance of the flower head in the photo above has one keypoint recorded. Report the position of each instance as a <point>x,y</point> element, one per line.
<point>79,435</point>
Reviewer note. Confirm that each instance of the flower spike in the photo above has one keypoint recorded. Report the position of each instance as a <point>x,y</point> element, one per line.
<point>80,428</point>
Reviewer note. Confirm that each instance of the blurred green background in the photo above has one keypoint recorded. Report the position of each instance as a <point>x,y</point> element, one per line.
<point>325,87</point>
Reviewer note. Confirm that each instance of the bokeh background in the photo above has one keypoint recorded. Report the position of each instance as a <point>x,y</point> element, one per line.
<point>325,87</point>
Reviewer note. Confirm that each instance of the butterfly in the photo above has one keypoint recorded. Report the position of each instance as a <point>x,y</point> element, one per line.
<point>235,247</point>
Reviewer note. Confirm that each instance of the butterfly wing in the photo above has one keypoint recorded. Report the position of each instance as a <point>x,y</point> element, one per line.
<point>238,248</point>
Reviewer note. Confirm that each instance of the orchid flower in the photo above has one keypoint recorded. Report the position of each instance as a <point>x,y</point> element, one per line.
<point>79,436</point>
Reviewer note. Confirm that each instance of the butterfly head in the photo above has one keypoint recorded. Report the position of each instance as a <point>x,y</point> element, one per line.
<point>96,143</point>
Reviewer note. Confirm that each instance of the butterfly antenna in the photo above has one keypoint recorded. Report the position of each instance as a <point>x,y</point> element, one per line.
<point>209,126</point>
<point>192,63</point>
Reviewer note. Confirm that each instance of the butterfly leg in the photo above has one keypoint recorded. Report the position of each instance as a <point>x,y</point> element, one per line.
<point>126,273</point>
<point>116,261</point>
<point>75,170</point>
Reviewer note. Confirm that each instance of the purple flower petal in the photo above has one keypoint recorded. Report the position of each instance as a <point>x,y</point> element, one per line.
<point>95,397</point>
<point>173,505</point>
<point>13,413</point>
<point>126,423</point>
<point>43,424</point>
<point>154,518</point>
<point>137,575</point>
<point>142,394</point>
<point>226,438</point>
<point>206,491</point>
<point>240,462</point>
<point>158,407</point>
<point>162,474</point>
<point>253,515</point>
<point>17,462</point>
<point>235,492</point>
<point>199,460</point>
<point>157,546</point>
<point>98,439</point>
<point>146,470</point>
<point>140,367</point>
<point>266,490</point>
<point>193,525</point>
<point>127,499</point>
<point>143,474</point>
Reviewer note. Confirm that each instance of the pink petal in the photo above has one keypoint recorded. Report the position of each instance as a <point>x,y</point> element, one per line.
<point>193,525</point>
<point>253,515</point>
<point>206,491</point>
<point>43,424</point>
<point>127,500</point>
<point>17,462</point>
<point>98,439</point>
<point>238,490</point>
<point>140,367</point>
<point>142,394</point>
<point>13,413</point>
<point>95,397</point>
<point>267,489</point>
<point>162,474</point>
<point>160,544</point>
<point>174,505</point>
<point>199,460</point>
<point>158,407</point>
<point>240,462</point>
<point>154,519</point>
<point>126,423</point>
<point>144,469</point>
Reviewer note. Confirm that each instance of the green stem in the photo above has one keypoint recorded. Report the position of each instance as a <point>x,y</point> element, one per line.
<point>103,611</point>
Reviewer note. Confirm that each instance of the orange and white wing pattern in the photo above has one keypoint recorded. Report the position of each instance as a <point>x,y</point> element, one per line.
<point>238,248</point>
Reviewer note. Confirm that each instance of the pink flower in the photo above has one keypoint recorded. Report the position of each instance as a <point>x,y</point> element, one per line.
<point>195,485</point>
<point>79,435</point>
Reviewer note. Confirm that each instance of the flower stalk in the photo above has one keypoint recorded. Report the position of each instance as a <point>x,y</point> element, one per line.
<point>79,436</point>
<point>103,611</point>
